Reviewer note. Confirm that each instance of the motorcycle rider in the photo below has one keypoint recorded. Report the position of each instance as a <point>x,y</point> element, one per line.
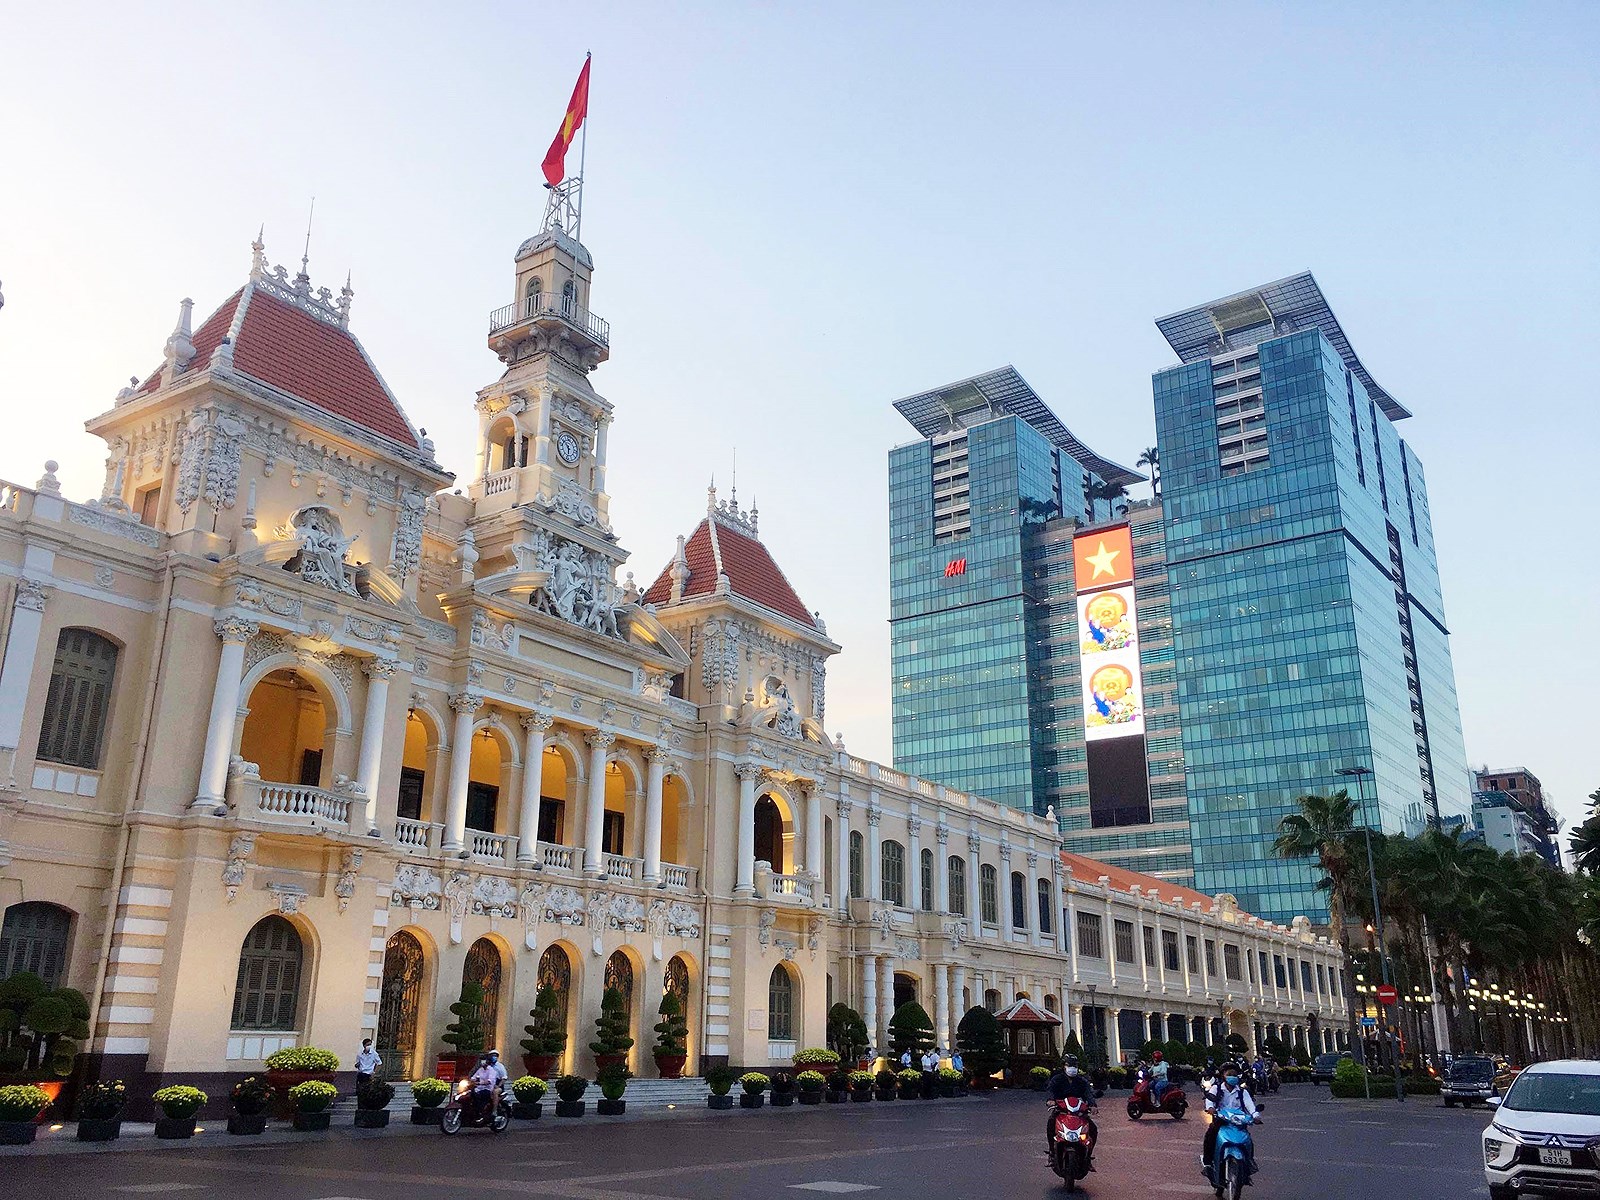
<point>1069,1083</point>
<point>485,1087</point>
<point>1227,1092</point>
<point>1158,1077</point>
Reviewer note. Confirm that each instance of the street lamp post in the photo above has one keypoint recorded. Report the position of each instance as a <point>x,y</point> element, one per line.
<point>1360,774</point>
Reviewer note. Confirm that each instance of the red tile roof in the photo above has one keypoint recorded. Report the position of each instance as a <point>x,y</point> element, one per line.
<point>1026,1012</point>
<point>1089,870</point>
<point>313,360</point>
<point>716,546</point>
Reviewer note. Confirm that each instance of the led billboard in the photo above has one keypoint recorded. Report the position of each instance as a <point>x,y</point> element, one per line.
<point>1112,684</point>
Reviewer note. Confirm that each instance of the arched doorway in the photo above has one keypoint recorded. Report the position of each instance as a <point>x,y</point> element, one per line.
<point>492,756</point>
<point>555,973</point>
<point>619,976</point>
<point>483,967</point>
<point>675,824</point>
<point>399,1002</point>
<point>677,981</point>
<point>290,728</point>
<point>769,834</point>
<point>905,988</point>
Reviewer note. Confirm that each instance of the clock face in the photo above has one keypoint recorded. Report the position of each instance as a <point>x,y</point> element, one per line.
<point>567,448</point>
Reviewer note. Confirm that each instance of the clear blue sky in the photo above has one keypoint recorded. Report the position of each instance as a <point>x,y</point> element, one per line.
<point>800,213</point>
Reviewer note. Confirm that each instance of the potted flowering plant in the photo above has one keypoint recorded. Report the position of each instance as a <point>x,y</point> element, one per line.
<point>613,1081</point>
<point>1038,1078</point>
<point>887,1084</point>
<point>570,1089</point>
<point>819,1059</point>
<point>311,1100</point>
<point>250,1097</point>
<point>783,1090</point>
<point>861,1086</point>
<point>178,1105</point>
<point>529,1091</point>
<point>754,1085</point>
<point>429,1094</point>
<point>298,1064</point>
<point>910,1084</point>
<point>949,1080</point>
<point>372,1104</point>
<point>838,1087</point>
<point>811,1084</point>
<point>20,1106</point>
<point>719,1079</point>
<point>100,1111</point>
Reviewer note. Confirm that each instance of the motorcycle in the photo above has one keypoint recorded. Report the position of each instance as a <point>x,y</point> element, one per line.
<point>1072,1141</point>
<point>1173,1102</point>
<point>464,1112</point>
<point>1231,1169</point>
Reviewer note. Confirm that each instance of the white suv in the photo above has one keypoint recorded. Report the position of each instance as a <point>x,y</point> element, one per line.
<point>1545,1136</point>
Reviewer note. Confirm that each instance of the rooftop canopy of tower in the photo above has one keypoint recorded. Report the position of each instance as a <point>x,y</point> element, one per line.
<point>1272,310</point>
<point>1001,393</point>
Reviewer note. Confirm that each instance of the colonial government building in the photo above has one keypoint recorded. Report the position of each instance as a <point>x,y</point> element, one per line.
<point>294,739</point>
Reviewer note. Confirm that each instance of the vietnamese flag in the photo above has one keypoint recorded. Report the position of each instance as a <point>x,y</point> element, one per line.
<point>555,159</point>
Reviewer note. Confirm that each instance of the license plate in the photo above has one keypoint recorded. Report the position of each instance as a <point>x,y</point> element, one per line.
<point>1555,1158</point>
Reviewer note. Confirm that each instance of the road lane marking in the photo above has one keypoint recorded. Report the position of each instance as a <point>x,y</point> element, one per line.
<point>150,1189</point>
<point>833,1185</point>
<point>1422,1145</point>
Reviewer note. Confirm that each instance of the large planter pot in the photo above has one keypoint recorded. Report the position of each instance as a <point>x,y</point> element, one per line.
<point>834,1096</point>
<point>372,1118</point>
<point>752,1100</point>
<point>174,1128</point>
<point>426,1116</point>
<point>52,1089</point>
<point>282,1081</point>
<point>539,1065</point>
<point>247,1124</point>
<point>782,1100</point>
<point>99,1129</point>
<point>312,1122</point>
<point>17,1133</point>
<point>888,1093</point>
<point>602,1061</point>
<point>670,1066</point>
<point>861,1096</point>
<point>610,1108</point>
<point>527,1112</point>
<point>910,1091</point>
<point>719,1103</point>
<point>946,1090</point>
<point>810,1097</point>
<point>570,1108</point>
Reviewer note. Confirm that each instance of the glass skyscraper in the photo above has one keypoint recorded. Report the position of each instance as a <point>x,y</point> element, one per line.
<point>1308,624</point>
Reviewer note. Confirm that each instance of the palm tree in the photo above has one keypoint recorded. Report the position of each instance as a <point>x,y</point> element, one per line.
<point>1151,457</point>
<point>1585,839</point>
<point>1109,492</point>
<point>1322,829</point>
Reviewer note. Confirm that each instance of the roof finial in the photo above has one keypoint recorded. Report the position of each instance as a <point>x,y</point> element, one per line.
<point>345,295</point>
<point>734,495</point>
<point>711,495</point>
<point>303,280</point>
<point>258,256</point>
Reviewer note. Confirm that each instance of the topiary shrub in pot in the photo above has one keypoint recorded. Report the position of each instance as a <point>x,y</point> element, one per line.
<point>178,1105</point>
<point>720,1079</point>
<point>754,1085</point>
<point>547,1034</point>
<point>428,1094</point>
<point>910,1084</point>
<point>611,1041</point>
<point>613,1081</point>
<point>911,1029</point>
<point>372,1104</point>
<point>20,1106</point>
<point>100,1111</point>
<point>982,1046</point>
<point>465,1034</point>
<point>248,1101</point>
<point>529,1092</point>
<point>570,1090</point>
<point>40,1030</point>
<point>861,1084</point>
<point>783,1090</point>
<point>311,1101</point>
<point>886,1084</point>
<point>847,1034</point>
<point>672,1033</point>
<point>298,1064</point>
<point>811,1085</point>
<point>1038,1077</point>
<point>949,1080</point>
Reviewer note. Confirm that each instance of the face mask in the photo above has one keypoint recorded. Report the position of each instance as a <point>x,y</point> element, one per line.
<point>1072,1070</point>
<point>1233,1081</point>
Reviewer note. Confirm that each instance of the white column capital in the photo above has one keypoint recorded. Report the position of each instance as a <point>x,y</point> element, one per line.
<point>658,754</point>
<point>599,739</point>
<point>32,595</point>
<point>380,668</point>
<point>466,703</point>
<point>537,722</point>
<point>748,770</point>
<point>231,629</point>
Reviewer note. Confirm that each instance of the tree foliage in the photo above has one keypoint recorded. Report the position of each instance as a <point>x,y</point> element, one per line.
<point>465,1033</point>
<point>611,1026</point>
<point>982,1044</point>
<point>40,1026</point>
<point>911,1029</point>
<point>847,1033</point>
<point>547,1032</point>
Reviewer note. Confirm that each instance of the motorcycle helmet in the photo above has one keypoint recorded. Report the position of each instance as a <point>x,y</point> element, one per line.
<point>1069,1064</point>
<point>1156,1057</point>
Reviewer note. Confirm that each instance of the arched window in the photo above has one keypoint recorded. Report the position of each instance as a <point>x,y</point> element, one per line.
<point>555,973</point>
<point>676,981</point>
<point>989,894</point>
<point>991,1000</point>
<point>34,938</point>
<point>857,888</point>
<point>894,873</point>
<point>569,296</point>
<point>531,295</point>
<point>780,1005</point>
<point>483,967</point>
<point>958,885</point>
<point>79,700</point>
<point>927,880</point>
<point>267,993</point>
<point>1019,901</point>
<point>1046,905</point>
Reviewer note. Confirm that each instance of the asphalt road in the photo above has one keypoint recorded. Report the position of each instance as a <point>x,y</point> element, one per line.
<point>1310,1146</point>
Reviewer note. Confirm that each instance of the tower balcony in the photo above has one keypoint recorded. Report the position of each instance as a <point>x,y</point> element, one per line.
<point>548,312</point>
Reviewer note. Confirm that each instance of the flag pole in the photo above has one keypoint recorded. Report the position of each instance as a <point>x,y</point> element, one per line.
<point>583,156</point>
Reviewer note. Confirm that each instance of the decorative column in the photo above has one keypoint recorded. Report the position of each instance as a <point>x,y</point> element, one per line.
<point>22,649</point>
<point>534,726</point>
<point>941,1006</point>
<point>886,998</point>
<point>1075,1020</point>
<point>816,852</point>
<point>1114,1035</point>
<point>974,870</point>
<point>913,869</point>
<point>874,852</point>
<point>841,856</point>
<point>234,632</point>
<point>941,869</point>
<point>1035,933</point>
<point>655,775</point>
<point>594,814</point>
<point>378,671</point>
<point>466,705</point>
<point>541,441</point>
<point>869,997</point>
<point>1058,898</point>
<point>745,846</point>
<point>958,985</point>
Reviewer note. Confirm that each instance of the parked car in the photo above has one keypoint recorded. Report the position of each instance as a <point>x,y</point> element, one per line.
<point>1324,1065</point>
<point>1472,1079</point>
<point>1540,1138</point>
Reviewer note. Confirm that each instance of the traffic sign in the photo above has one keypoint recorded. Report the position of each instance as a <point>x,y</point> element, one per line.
<point>1387,993</point>
<point>1371,1022</point>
